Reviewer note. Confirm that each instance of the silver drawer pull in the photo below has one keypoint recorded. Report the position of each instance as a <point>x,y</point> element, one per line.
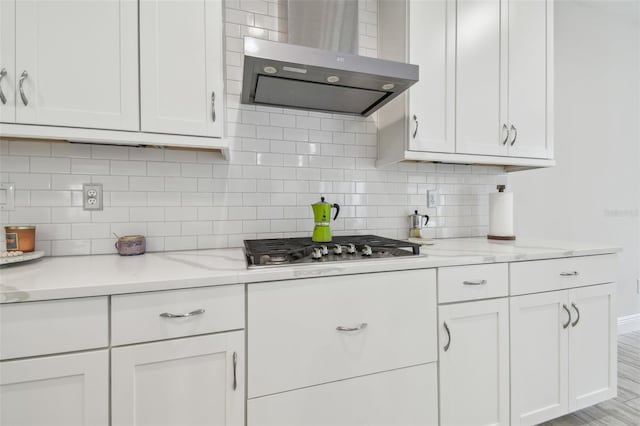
<point>358,328</point>
<point>569,274</point>
<point>23,76</point>
<point>569,315</point>
<point>446,328</point>
<point>476,282</point>
<point>235,367</point>
<point>3,73</point>
<point>189,314</point>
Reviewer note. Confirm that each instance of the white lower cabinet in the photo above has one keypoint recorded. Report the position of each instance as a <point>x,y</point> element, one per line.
<point>404,397</point>
<point>563,352</point>
<point>592,346</point>
<point>474,363</point>
<point>63,390</point>
<point>188,382</point>
<point>319,330</point>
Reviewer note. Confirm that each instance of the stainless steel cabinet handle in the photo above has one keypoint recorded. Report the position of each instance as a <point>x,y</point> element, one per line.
<point>358,328</point>
<point>213,106</point>
<point>506,138</point>
<point>446,328</point>
<point>415,132</point>
<point>568,313</point>
<point>235,367</point>
<point>3,72</point>
<point>515,134</point>
<point>23,76</point>
<point>476,282</point>
<point>573,324</point>
<point>569,274</point>
<point>188,314</point>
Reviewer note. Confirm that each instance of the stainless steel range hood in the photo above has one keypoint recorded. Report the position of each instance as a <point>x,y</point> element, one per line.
<point>312,78</point>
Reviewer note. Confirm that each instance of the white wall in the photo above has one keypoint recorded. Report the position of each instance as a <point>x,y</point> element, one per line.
<point>594,192</point>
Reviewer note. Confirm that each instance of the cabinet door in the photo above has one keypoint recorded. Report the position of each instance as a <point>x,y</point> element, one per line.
<point>79,60</point>
<point>404,397</point>
<point>344,327</point>
<point>181,79</point>
<point>189,382</point>
<point>474,363</point>
<point>431,99</point>
<point>529,64</point>
<point>481,84</point>
<point>592,346</point>
<point>539,357</point>
<point>7,61</point>
<point>63,390</point>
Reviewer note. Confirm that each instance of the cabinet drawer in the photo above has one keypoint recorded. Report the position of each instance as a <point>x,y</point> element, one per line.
<point>404,397</point>
<point>557,274</point>
<point>294,337</point>
<point>161,315</point>
<point>39,328</point>
<point>471,282</point>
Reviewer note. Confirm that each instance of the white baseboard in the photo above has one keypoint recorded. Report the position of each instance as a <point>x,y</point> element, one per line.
<point>629,323</point>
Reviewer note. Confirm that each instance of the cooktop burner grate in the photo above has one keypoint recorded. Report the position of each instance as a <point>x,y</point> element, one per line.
<point>283,251</point>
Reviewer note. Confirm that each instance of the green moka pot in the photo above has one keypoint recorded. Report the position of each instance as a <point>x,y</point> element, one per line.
<point>322,218</point>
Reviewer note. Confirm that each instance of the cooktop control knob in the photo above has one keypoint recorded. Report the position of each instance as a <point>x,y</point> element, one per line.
<point>325,250</point>
<point>351,249</point>
<point>337,249</point>
<point>366,251</point>
<point>316,253</point>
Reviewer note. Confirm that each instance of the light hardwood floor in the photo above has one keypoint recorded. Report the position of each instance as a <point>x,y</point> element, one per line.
<point>623,410</point>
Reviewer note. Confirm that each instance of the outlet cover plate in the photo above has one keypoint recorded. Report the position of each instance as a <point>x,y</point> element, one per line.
<point>93,201</point>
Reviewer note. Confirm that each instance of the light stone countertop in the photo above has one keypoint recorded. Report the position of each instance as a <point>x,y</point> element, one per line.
<point>83,276</point>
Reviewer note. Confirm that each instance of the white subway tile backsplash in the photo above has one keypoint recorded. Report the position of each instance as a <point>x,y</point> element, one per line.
<point>71,150</point>
<point>29,148</point>
<point>91,231</point>
<point>30,180</point>
<point>50,198</point>
<point>282,160</point>
<point>49,165</point>
<point>70,215</point>
<point>89,167</point>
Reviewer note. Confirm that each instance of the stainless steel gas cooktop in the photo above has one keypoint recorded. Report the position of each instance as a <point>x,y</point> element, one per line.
<point>294,251</point>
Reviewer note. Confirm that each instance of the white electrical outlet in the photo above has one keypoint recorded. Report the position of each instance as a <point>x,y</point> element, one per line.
<point>432,198</point>
<point>92,196</point>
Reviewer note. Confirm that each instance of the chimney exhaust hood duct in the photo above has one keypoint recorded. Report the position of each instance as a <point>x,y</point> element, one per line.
<point>318,69</point>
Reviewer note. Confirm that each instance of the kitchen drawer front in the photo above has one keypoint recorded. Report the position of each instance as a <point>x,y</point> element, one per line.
<point>139,317</point>
<point>558,274</point>
<point>460,283</point>
<point>293,336</point>
<point>404,397</point>
<point>40,328</point>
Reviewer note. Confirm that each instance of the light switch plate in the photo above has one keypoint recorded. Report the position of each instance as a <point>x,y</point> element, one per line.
<point>92,196</point>
<point>432,198</point>
<point>7,196</point>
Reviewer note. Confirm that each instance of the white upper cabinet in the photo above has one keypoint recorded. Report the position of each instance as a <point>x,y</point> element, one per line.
<point>504,78</point>
<point>7,61</point>
<point>486,82</point>
<point>181,72</point>
<point>430,47</point>
<point>77,63</point>
<point>530,56</point>
<point>480,111</point>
